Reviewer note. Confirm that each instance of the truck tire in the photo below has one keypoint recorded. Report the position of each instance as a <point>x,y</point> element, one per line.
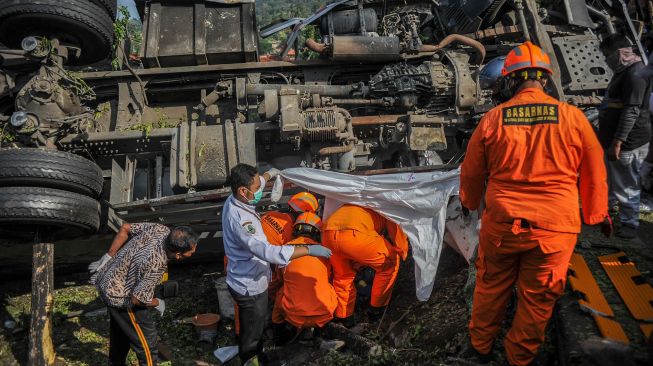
<point>78,22</point>
<point>111,7</point>
<point>50,169</point>
<point>64,214</point>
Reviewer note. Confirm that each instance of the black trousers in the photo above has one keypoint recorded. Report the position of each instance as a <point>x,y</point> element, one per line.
<point>132,328</point>
<point>252,311</point>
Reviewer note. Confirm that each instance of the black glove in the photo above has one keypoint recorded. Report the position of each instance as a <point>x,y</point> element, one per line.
<point>465,210</point>
<point>607,229</point>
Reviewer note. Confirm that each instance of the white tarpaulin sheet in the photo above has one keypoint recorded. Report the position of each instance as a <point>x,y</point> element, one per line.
<point>415,201</point>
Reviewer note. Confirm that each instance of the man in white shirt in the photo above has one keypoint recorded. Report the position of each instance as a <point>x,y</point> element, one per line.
<point>249,255</point>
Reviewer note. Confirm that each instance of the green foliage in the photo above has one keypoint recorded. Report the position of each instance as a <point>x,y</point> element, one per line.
<point>120,32</point>
<point>7,132</point>
<point>135,34</point>
<point>270,11</point>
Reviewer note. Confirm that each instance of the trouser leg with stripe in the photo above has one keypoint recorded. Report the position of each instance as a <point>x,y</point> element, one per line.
<point>133,328</point>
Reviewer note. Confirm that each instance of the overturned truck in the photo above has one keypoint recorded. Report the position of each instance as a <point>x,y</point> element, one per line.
<point>390,84</point>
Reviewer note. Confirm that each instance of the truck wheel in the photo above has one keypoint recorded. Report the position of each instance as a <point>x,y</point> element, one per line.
<point>78,22</point>
<point>65,214</point>
<point>50,169</point>
<point>111,6</point>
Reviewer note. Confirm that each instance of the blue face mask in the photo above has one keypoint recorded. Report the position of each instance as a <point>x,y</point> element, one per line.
<point>257,196</point>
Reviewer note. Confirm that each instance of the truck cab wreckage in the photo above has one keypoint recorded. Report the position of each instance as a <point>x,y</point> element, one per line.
<point>393,85</point>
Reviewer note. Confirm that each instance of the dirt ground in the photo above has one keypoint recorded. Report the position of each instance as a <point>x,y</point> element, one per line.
<point>410,333</point>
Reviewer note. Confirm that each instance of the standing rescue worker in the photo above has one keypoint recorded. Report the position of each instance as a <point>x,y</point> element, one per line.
<point>625,129</point>
<point>249,256</point>
<point>307,298</point>
<point>534,156</point>
<point>358,235</point>
<point>126,278</point>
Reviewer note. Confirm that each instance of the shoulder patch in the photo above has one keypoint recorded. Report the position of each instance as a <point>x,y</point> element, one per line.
<point>249,227</point>
<point>530,114</point>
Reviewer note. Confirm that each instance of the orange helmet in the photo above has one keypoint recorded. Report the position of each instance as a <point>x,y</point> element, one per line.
<point>303,202</point>
<point>310,219</point>
<point>526,56</point>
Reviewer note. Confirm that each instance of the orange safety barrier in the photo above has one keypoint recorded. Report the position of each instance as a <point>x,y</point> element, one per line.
<point>632,287</point>
<point>610,329</point>
<point>581,280</point>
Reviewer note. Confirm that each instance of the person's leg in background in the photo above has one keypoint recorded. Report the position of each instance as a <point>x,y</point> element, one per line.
<point>118,343</point>
<point>252,311</point>
<point>623,176</point>
<point>542,278</point>
<point>343,283</point>
<point>139,327</point>
<point>386,267</point>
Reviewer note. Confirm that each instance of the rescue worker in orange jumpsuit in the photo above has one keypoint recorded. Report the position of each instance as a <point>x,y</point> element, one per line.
<point>307,298</point>
<point>278,228</point>
<point>533,156</point>
<point>360,236</point>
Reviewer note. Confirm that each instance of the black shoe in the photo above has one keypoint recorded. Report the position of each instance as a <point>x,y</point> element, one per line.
<point>375,313</point>
<point>468,352</point>
<point>627,232</point>
<point>347,322</point>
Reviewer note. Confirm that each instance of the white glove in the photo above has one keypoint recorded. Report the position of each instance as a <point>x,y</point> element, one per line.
<point>645,174</point>
<point>277,190</point>
<point>161,308</point>
<point>273,173</point>
<point>98,264</point>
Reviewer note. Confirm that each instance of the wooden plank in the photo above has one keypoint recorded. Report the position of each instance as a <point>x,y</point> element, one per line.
<point>41,349</point>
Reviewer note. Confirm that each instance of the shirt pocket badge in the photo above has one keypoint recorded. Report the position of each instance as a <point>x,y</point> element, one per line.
<point>249,227</point>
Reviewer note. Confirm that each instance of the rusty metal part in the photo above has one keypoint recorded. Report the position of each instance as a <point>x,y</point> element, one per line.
<point>323,90</point>
<point>519,6</point>
<point>388,119</point>
<point>362,48</point>
<point>603,16</point>
<point>330,150</point>
<point>315,46</point>
<point>542,38</point>
<point>478,46</point>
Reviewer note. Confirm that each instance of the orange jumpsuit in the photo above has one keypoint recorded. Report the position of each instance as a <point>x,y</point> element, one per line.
<point>537,155</point>
<point>277,227</point>
<point>306,298</point>
<point>354,235</point>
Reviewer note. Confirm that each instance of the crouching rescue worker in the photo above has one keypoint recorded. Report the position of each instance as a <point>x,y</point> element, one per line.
<point>358,235</point>
<point>278,228</point>
<point>278,225</point>
<point>126,278</point>
<point>306,298</point>
<point>537,156</point>
<point>249,255</point>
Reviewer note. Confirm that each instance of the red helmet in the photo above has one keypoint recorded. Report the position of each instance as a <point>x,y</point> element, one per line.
<point>310,219</point>
<point>526,56</point>
<point>303,202</point>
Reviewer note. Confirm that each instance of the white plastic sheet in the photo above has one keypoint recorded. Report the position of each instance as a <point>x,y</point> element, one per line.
<point>415,201</point>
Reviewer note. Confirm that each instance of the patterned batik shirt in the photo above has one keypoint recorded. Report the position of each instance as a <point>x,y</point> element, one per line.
<point>137,267</point>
